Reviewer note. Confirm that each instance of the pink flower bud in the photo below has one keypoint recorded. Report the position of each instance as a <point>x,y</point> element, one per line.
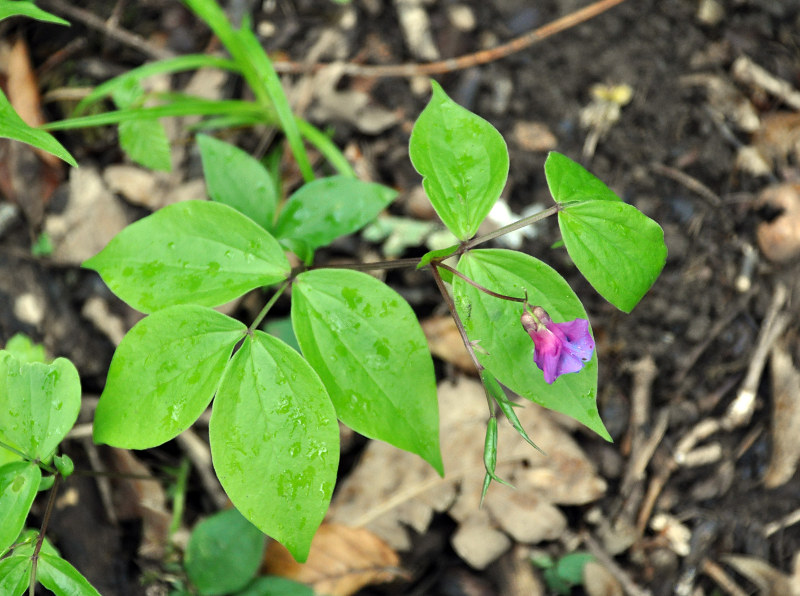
<point>559,348</point>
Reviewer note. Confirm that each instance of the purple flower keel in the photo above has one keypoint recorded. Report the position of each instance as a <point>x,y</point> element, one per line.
<point>559,348</point>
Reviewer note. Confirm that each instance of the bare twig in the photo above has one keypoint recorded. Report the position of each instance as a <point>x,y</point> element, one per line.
<point>199,454</point>
<point>109,28</point>
<point>517,44</point>
<point>724,581</point>
<point>748,72</point>
<point>689,182</point>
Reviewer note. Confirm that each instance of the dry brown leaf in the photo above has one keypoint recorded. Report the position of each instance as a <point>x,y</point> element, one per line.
<point>390,489</point>
<point>342,560</point>
<point>141,499</point>
<point>444,341</point>
<point>778,137</point>
<point>93,216</point>
<point>598,581</point>
<point>770,581</point>
<point>785,418</point>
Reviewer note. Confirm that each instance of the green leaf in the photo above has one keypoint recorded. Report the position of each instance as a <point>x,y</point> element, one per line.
<point>327,208</point>
<point>23,349</point>
<point>60,577</point>
<point>235,178</point>
<point>39,404</point>
<point>569,181</point>
<point>15,574</point>
<point>276,586</point>
<point>496,324</point>
<point>163,375</point>
<point>617,248</point>
<point>275,441</point>
<point>224,553</point>
<point>463,161</point>
<point>366,344</point>
<point>570,567</point>
<point>14,127</point>
<point>193,252</point>
<point>146,143</point>
<point>23,8</point>
<point>19,483</point>
<point>144,140</point>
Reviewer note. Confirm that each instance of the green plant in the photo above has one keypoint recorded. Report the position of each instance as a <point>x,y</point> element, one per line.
<point>363,358</point>
<point>39,404</point>
<point>566,573</point>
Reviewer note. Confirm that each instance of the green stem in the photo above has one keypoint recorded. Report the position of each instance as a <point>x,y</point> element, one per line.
<point>460,326</point>
<point>375,266</point>
<point>26,457</point>
<point>509,228</point>
<point>40,539</point>
<point>268,306</point>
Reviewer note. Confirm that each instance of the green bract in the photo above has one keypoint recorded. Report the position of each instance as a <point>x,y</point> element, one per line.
<point>365,343</point>
<point>495,324</point>
<point>463,161</point>
<point>617,248</point>
<point>275,441</point>
<point>194,252</point>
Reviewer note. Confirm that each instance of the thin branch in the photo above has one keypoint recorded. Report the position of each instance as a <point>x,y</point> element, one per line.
<point>517,44</point>
<point>476,284</point>
<point>508,229</point>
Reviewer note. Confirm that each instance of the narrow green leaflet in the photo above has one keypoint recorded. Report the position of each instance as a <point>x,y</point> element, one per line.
<point>495,324</point>
<point>325,209</point>
<point>436,254</point>
<point>22,8</point>
<point>193,252</point>
<point>224,553</point>
<point>275,441</point>
<point>15,574</point>
<point>617,248</point>
<point>14,127</point>
<point>366,344</point>
<point>144,140</point>
<point>463,161</point>
<point>163,375</point>
<point>19,482</point>
<point>61,578</point>
<point>506,406</point>
<point>39,403</point>
<point>235,178</point>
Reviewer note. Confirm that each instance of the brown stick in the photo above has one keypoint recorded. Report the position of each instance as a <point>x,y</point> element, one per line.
<point>517,44</point>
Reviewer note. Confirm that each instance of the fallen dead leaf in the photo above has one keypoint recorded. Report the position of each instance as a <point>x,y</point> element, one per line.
<point>342,560</point>
<point>770,581</point>
<point>91,219</point>
<point>598,581</point>
<point>785,418</point>
<point>141,499</point>
<point>391,489</point>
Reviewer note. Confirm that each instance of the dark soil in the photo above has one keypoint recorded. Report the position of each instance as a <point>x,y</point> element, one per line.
<point>698,328</point>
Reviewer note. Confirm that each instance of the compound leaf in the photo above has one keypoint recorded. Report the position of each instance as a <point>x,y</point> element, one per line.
<point>275,441</point>
<point>495,324</point>
<point>39,403</point>
<point>223,553</point>
<point>19,482</point>
<point>193,252</point>
<point>163,375</point>
<point>61,578</point>
<point>463,161</point>
<point>237,179</point>
<point>325,209</point>
<point>366,344</point>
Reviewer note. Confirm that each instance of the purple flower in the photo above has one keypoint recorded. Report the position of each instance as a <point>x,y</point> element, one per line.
<point>559,348</point>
